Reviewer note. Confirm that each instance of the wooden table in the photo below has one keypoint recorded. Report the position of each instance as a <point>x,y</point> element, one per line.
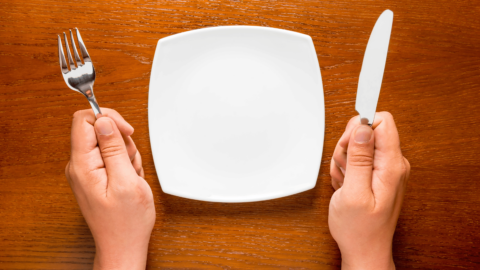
<point>431,86</point>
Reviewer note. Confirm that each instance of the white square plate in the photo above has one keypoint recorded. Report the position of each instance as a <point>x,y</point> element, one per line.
<point>236,114</point>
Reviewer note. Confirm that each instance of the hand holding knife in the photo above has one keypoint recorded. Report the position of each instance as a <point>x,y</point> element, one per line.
<point>368,169</point>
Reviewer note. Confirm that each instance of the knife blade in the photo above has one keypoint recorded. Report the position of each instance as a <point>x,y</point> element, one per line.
<point>371,74</point>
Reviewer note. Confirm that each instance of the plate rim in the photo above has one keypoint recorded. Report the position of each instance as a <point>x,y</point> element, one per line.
<point>223,27</point>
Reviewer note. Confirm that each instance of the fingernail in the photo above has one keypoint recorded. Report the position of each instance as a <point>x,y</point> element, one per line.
<point>343,170</point>
<point>363,134</point>
<point>104,127</point>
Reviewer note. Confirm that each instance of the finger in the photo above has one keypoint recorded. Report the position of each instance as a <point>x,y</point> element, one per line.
<point>131,148</point>
<point>335,184</point>
<point>67,173</point>
<point>387,141</point>
<point>358,175</point>
<point>340,158</point>
<point>389,160</point>
<point>83,136</point>
<point>125,128</point>
<point>337,176</point>
<point>85,161</point>
<point>352,124</point>
<point>114,152</point>
<point>137,165</point>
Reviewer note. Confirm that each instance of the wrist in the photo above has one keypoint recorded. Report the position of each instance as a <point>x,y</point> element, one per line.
<point>120,259</point>
<point>381,262</point>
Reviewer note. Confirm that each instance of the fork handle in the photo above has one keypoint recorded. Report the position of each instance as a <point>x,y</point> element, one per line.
<point>95,107</point>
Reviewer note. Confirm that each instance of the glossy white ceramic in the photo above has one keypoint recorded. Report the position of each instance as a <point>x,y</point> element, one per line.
<point>236,113</point>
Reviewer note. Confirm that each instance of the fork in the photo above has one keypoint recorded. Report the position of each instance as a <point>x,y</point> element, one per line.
<point>79,77</point>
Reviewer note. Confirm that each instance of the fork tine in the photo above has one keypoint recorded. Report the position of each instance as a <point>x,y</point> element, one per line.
<point>70,60</point>
<point>75,52</point>
<point>61,57</point>
<point>83,49</point>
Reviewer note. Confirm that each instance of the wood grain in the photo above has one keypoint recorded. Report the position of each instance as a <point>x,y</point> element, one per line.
<point>431,86</point>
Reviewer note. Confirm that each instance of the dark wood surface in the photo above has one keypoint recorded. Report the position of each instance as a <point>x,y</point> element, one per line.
<point>431,86</point>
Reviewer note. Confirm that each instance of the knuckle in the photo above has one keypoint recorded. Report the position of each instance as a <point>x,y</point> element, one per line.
<point>139,170</point>
<point>407,165</point>
<point>403,169</point>
<point>71,171</point>
<point>335,202</point>
<point>112,150</point>
<point>406,169</point>
<point>360,160</point>
<point>332,166</point>
<point>132,153</point>
<point>67,170</point>
<point>111,111</point>
<point>352,121</point>
<point>387,116</point>
<point>138,167</point>
<point>337,178</point>
<point>336,157</point>
<point>144,194</point>
<point>400,168</point>
<point>79,113</point>
<point>69,174</point>
<point>335,183</point>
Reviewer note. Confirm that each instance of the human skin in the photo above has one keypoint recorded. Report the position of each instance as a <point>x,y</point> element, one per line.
<point>106,176</point>
<point>369,174</point>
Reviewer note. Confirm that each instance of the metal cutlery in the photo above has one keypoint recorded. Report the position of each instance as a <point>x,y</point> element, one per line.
<point>79,77</point>
<point>373,66</point>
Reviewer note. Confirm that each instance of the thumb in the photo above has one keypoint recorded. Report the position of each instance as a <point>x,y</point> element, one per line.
<point>359,171</point>
<point>113,150</point>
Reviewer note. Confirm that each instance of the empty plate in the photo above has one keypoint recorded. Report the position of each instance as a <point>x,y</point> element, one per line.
<point>236,113</point>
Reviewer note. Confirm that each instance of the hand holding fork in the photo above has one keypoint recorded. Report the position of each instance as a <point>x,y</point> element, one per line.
<point>105,161</point>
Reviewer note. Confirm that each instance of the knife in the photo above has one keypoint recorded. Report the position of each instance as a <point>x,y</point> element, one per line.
<point>371,75</point>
